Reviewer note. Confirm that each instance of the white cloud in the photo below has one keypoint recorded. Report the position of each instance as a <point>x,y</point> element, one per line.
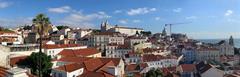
<point>153,9</point>
<point>177,10</point>
<point>157,18</point>
<point>15,22</point>
<point>191,17</point>
<point>117,11</point>
<point>83,20</point>
<point>136,21</point>
<point>63,9</point>
<point>123,21</point>
<point>228,13</point>
<point>4,4</point>
<point>139,11</point>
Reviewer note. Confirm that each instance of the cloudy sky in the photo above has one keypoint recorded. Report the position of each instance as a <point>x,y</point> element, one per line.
<point>202,18</point>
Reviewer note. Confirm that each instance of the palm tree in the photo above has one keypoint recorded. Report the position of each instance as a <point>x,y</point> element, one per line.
<point>41,26</point>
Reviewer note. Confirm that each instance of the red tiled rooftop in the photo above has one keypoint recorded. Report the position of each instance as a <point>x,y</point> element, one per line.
<point>146,50</point>
<point>3,72</point>
<point>104,68</point>
<point>78,52</point>
<point>93,64</point>
<point>207,49</point>
<point>131,67</point>
<point>134,67</point>
<point>70,67</point>
<point>7,32</point>
<point>188,67</point>
<point>95,74</point>
<point>15,60</point>
<point>53,46</point>
<point>151,57</point>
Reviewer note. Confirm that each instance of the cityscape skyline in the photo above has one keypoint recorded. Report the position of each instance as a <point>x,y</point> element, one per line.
<point>209,19</point>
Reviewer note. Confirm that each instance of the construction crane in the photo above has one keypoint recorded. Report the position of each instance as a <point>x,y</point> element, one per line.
<point>171,24</point>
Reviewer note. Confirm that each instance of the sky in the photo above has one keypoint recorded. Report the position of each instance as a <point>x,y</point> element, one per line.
<point>202,19</point>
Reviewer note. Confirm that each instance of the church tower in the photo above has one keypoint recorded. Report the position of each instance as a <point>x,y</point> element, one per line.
<point>105,26</point>
<point>231,41</point>
<point>164,32</point>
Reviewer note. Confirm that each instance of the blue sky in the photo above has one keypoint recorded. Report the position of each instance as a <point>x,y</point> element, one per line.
<point>209,18</point>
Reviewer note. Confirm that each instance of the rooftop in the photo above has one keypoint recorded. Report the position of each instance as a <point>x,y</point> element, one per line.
<point>78,52</point>
<point>188,67</point>
<point>54,46</point>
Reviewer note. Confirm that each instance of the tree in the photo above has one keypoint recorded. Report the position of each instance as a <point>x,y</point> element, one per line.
<point>62,27</point>
<point>42,25</point>
<point>221,42</point>
<point>154,73</point>
<point>33,63</point>
<point>137,33</point>
<point>27,27</point>
<point>236,51</point>
<point>146,33</point>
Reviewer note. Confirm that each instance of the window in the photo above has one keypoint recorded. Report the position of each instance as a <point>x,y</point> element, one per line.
<point>59,74</point>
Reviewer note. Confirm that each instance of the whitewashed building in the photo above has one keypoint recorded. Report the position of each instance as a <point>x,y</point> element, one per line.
<point>10,38</point>
<point>78,33</point>
<point>207,53</point>
<point>226,49</point>
<point>159,61</point>
<point>134,40</point>
<point>53,49</point>
<point>103,38</point>
<point>124,30</point>
<point>114,50</point>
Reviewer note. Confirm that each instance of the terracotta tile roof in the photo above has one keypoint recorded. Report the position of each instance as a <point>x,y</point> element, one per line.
<point>93,67</point>
<point>96,74</point>
<point>188,67</point>
<point>104,68</point>
<point>151,57</point>
<point>207,49</point>
<point>136,67</point>
<point>3,72</point>
<point>149,50</point>
<point>116,61</point>
<point>70,67</point>
<point>53,46</point>
<point>15,60</point>
<point>132,67</point>
<point>120,46</point>
<point>7,32</point>
<point>168,71</point>
<point>93,64</point>
<point>74,59</point>
<point>78,52</point>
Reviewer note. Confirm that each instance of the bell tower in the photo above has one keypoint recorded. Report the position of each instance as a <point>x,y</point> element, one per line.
<point>105,26</point>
